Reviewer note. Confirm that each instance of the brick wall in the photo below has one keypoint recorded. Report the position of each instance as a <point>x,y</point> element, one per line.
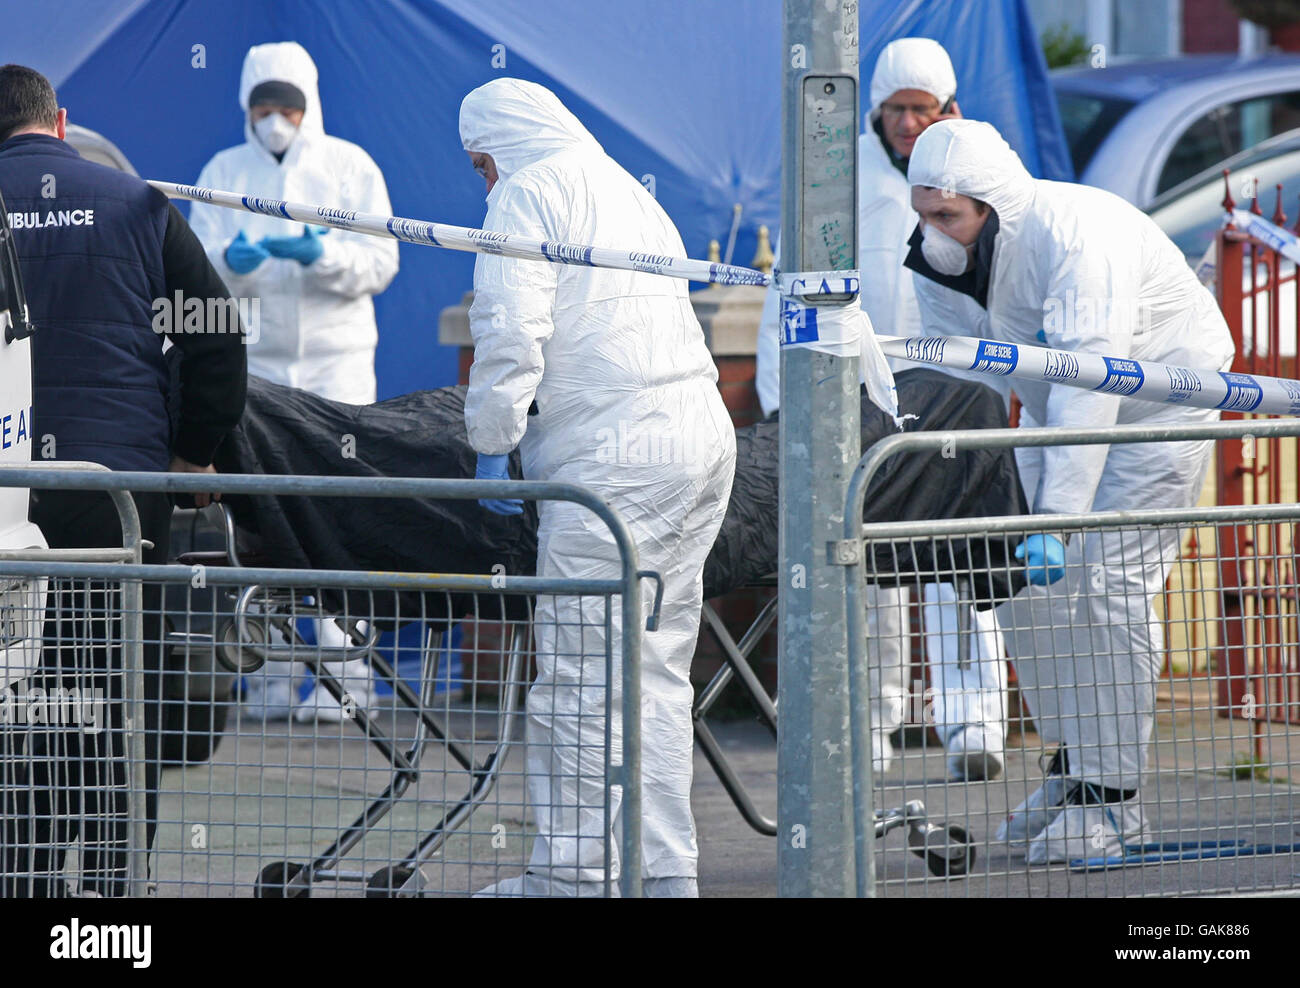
<point>1209,26</point>
<point>1286,37</point>
<point>736,382</point>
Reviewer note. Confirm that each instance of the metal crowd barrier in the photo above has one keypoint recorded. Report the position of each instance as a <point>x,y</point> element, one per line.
<point>72,731</point>
<point>736,668</point>
<point>1216,809</point>
<point>414,781</point>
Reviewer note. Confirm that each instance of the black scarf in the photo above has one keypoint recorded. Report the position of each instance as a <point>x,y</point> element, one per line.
<point>974,282</point>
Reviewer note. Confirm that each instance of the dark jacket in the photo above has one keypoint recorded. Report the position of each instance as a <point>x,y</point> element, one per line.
<point>103,255</point>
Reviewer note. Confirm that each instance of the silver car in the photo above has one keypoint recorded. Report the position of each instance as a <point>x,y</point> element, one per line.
<point>1142,128</point>
<point>1191,213</point>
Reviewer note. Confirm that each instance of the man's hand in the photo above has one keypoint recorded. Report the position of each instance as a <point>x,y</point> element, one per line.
<point>185,466</point>
<point>305,249</point>
<point>242,256</point>
<point>954,113</point>
<point>1044,557</point>
<point>497,468</point>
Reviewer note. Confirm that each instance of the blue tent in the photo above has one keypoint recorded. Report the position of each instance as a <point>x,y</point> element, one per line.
<point>685,94</point>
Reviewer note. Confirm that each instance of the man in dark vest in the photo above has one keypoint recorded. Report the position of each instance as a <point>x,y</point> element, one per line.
<point>109,266</point>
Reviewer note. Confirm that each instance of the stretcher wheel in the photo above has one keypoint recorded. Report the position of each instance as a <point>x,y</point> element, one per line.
<point>958,858</point>
<point>232,655</point>
<point>385,883</point>
<point>273,879</point>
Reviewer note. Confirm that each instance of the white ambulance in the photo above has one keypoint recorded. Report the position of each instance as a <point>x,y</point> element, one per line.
<point>22,601</point>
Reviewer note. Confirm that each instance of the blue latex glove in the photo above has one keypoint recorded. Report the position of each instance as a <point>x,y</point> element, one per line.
<point>497,468</point>
<point>305,249</point>
<point>1045,557</point>
<point>243,256</point>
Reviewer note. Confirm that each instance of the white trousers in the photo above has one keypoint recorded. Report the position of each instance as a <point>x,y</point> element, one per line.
<point>964,693</point>
<point>1088,649</point>
<point>674,512</point>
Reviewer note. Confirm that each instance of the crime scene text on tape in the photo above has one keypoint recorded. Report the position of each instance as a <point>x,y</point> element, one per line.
<point>1124,376</point>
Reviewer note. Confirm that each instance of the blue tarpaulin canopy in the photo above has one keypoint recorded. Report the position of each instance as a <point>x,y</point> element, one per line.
<point>685,94</point>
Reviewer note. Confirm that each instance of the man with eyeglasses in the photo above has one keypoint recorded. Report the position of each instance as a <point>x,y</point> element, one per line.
<point>913,87</point>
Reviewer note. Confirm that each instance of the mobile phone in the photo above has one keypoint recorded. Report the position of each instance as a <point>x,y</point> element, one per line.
<point>947,107</point>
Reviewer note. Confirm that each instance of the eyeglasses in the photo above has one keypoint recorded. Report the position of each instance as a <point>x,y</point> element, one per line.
<point>917,109</point>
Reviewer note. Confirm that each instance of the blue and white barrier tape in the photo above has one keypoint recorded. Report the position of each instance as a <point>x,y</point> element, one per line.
<point>1142,379</point>
<point>476,241</point>
<point>1283,241</point>
<point>1130,378</point>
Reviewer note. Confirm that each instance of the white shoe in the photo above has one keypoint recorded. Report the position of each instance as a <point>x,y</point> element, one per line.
<point>530,886</point>
<point>1029,818</point>
<point>268,697</point>
<point>1095,830</point>
<point>319,706</point>
<point>882,754</point>
<point>975,754</point>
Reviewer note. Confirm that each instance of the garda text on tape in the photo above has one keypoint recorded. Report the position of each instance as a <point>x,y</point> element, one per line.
<point>477,241</point>
<point>817,282</point>
<point>1130,378</point>
<point>835,328</point>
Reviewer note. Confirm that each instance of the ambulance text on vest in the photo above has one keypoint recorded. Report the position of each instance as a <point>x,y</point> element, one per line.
<point>52,217</point>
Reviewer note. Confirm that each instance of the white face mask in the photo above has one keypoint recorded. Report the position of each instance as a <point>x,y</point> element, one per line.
<point>275,131</point>
<point>944,254</point>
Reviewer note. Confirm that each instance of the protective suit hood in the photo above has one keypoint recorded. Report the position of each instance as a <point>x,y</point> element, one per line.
<point>518,123</point>
<point>282,61</point>
<point>971,158</point>
<point>912,63</point>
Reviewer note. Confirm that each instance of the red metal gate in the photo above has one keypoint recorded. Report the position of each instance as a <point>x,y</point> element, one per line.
<point>1257,666</point>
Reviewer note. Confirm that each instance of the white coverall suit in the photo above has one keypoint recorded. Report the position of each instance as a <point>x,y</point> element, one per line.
<point>1077,268</point>
<point>317,327</point>
<point>975,696</point>
<point>627,406</point>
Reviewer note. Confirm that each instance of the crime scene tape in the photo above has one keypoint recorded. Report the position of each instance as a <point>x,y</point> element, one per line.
<point>1128,378</point>
<point>1283,241</point>
<point>1144,379</point>
<point>476,241</point>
